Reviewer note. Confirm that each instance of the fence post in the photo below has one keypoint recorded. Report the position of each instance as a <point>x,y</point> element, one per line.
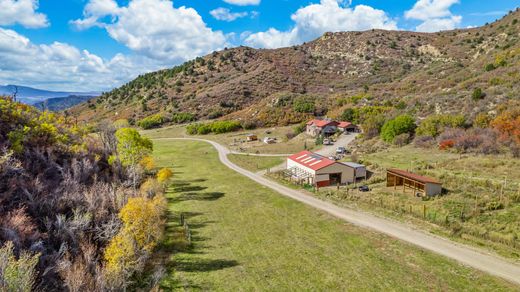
<point>424,211</point>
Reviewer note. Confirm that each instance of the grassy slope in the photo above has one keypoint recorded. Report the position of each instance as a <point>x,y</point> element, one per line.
<point>247,237</point>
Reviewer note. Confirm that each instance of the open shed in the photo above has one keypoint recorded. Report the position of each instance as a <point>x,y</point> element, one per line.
<point>417,183</point>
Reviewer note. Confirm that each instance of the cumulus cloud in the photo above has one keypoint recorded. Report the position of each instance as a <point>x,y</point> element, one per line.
<point>243,2</point>
<point>61,66</point>
<point>226,14</point>
<point>328,16</point>
<point>434,14</point>
<point>22,12</point>
<point>154,28</point>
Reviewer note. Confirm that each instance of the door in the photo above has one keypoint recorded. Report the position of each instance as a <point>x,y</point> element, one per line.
<point>335,178</point>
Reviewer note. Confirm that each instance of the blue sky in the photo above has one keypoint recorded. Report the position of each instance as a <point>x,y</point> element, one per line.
<point>100,44</point>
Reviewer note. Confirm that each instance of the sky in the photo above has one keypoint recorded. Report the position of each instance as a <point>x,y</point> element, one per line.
<point>97,45</point>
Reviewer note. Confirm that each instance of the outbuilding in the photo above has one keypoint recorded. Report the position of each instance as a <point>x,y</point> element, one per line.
<point>419,184</point>
<point>251,137</point>
<point>314,169</point>
<point>321,127</point>
<point>347,127</point>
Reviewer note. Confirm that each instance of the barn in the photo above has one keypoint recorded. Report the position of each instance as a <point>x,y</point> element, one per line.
<point>347,127</point>
<point>418,184</point>
<point>314,169</point>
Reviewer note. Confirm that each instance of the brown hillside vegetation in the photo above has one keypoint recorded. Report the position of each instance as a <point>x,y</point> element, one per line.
<point>429,73</point>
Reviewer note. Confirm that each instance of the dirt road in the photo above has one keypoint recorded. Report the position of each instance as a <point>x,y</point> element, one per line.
<point>466,255</point>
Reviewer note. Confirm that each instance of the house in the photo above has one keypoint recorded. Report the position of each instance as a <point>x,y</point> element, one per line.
<point>314,169</point>
<point>321,127</point>
<point>419,184</point>
<point>347,127</point>
<point>251,137</point>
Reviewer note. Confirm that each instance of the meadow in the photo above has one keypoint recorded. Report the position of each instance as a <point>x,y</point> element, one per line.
<point>246,237</point>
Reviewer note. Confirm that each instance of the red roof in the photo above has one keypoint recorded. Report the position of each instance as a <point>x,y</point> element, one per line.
<point>321,123</point>
<point>413,176</point>
<point>344,124</point>
<point>311,160</point>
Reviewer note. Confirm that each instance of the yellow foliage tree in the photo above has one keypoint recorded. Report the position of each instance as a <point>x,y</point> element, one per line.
<point>148,163</point>
<point>143,220</point>
<point>120,254</point>
<point>164,175</point>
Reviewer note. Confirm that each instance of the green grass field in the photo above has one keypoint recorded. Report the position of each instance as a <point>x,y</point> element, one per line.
<point>246,237</point>
<point>255,163</point>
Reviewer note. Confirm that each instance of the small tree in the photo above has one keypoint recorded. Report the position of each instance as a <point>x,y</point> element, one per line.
<point>164,175</point>
<point>403,124</point>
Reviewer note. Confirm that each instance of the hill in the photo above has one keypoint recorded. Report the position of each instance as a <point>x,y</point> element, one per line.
<point>420,72</point>
<point>61,103</point>
<point>31,95</point>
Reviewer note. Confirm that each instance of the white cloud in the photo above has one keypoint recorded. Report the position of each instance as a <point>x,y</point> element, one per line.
<point>243,2</point>
<point>22,12</point>
<point>327,16</point>
<point>61,66</point>
<point>154,28</point>
<point>226,14</point>
<point>434,14</point>
<point>439,24</point>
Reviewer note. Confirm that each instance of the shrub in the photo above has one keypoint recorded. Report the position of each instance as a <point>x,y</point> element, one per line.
<point>478,94</point>
<point>348,115</point>
<point>152,121</point>
<point>403,124</point>
<point>217,127</point>
<point>435,124</point>
<point>181,118</point>
<point>490,67</point>
<point>304,105</point>
<point>17,274</point>
<point>164,175</point>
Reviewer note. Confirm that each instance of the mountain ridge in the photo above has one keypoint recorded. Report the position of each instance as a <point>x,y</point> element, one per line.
<point>33,95</point>
<point>427,72</point>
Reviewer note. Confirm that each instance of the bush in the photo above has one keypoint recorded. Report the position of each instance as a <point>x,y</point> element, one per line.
<point>348,115</point>
<point>403,124</point>
<point>435,124</point>
<point>490,67</point>
<point>17,274</point>
<point>300,128</point>
<point>304,105</point>
<point>181,118</point>
<point>478,94</point>
<point>152,121</point>
<point>217,127</point>
<point>164,175</point>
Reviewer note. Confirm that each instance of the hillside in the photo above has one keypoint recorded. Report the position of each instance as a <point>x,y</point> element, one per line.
<point>421,72</point>
<point>61,103</point>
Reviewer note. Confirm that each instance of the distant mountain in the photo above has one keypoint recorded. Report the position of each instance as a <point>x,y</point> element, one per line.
<point>61,103</point>
<point>31,95</point>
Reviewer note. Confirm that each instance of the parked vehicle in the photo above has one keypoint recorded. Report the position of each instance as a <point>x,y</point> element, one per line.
<point>364,189</point>
<point>341,150</point>
<point>327,142</point>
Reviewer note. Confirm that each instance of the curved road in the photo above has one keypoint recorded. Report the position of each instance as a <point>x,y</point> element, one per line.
<point>467,255</point>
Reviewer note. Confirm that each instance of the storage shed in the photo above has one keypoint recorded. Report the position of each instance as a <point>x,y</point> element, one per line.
<point>312,168</point>
<point>419,184</point>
